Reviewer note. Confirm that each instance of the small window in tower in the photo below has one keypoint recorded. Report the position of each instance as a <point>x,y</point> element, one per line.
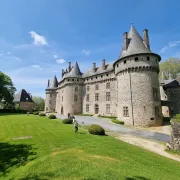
<point>125,111</point>
<point>75,98</point>
<point>96,96</point>
<point>108,96</point>
<point>136,59</point>
<point>148,58</point>
<point>87,107</point>
<point>117,65</point>
<point>155,94</point>
<point>108,108</point>
<point>108,85</point>
<point>88,88</point>
<point>87,97</point>
<point>107,74</point>
<point>72,79</point>
<point>124,61</point>
<point>101,76</point>
<point>77,79</point>
<point>68,79</point>
<point>96,77</point>
<point>97,87</point>
<point>62,98</point>
<point>91,78</point>
<point>76,89</point>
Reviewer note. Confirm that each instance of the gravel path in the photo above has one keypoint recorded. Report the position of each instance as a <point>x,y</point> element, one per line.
<point>109,126</point>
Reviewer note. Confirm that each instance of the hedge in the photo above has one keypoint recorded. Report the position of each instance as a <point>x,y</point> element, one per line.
<point>96,129</point>
<point>117,121</point>
<point>42,114</point>
<point>52,116</point>
<point>36,113</point>
<point>13,111</point>
<point>67,121</point>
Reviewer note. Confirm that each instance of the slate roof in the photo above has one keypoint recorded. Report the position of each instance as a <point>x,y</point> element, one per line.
<point>22,96</point>
<point>136,44</point>
<point>75,72</point>
<point>53,83</point>
<point>99,70</point>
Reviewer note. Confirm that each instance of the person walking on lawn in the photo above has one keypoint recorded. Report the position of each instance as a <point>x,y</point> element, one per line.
<point>76,126</point>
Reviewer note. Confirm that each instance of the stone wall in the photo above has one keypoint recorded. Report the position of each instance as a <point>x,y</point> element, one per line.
<point>50,102</point>
<point>174,97</point>
<point>102,103</point>
<point>175,136</point>
<point>26,106</point>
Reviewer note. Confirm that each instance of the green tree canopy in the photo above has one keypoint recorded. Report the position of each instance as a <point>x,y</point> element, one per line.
<point>38,103</point>
<point>7,88</point>
<point>172,66</point>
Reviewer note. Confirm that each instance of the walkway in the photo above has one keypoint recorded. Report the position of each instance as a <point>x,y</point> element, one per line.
<point>109,126</point>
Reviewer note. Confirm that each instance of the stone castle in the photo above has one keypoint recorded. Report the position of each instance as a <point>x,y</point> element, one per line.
<point>127,88</point>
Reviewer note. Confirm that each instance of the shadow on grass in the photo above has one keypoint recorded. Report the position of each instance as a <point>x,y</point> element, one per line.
<point>12,155</point>
<point>137,178</point>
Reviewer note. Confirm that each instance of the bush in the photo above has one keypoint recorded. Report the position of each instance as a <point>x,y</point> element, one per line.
<point>96,129</point>
<point>36,113</point>
<point>42,114</point>
<point>67,121</point>
<point>13,111</point>
<point>52,116</point>
<point>117,121</point>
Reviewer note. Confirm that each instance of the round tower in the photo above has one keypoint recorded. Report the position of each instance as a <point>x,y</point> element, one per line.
<point>70,92</point>
<point>50,101</point>
<point>138,95</point>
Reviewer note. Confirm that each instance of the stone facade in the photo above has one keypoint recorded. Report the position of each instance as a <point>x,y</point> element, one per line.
<point>26,106</point>
<point>175,136</point>
<point>127,88</point>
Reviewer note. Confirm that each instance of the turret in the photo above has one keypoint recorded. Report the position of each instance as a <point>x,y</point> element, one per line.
<point>137,69</point>
<point>69,67</point>
<point>94,67</point>
<point>103,64</point>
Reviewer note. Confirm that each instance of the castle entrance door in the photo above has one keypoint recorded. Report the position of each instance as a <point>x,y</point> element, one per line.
<point>96,109</point>
<point>62,111</point>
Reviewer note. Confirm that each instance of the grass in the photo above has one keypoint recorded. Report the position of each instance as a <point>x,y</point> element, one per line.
<point>48,149</point>
<point>173,151</point>
<point>117,121</point>
<point>85,114</point>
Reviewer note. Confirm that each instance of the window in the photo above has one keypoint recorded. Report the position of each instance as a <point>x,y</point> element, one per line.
<point>87,97</point>
<point>117,65</point>
<point>75,97</point>
<point>97,87</point>
<point>62,98</point>
<point>46,108</point>
<point>155,94</point>
<point>107,74</point>
<point>91,78</point>
<point>77,79</point>
<point>96,77</point>
<point>49,101</point>
<point>108,96</point>
<point>72,79</point>
<point>156,111</point>
<point>124,61</point>
<point>68,79</point>
<point>108,108</point>
<point>148,58</point>
<point>87,107</point>
<point>97,97</point>
<point>108,85</point>
<point>76,89</point>
<point>101,76</point>
<point>125,111</point>
<point>136,58</point>
<point>88,88</point>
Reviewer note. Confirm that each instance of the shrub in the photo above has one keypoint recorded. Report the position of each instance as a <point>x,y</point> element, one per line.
<point>117,121</point>
<point>42,114</point>
<point>36,113</point>
<point>13,111</point>
<point>96,129</point>
<point>52,116</point>
<point>67,121</point>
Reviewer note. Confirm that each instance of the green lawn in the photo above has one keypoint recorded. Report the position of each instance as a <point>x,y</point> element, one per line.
<point>56,152</point>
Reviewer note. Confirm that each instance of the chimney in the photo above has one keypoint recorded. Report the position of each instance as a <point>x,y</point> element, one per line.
<point>69,67</point>
<point>146,38</point>
<point>94,67</point>
<point>104,64</point>
<point>62,72</point>
<point>125,41</point>
<point>48,83</point>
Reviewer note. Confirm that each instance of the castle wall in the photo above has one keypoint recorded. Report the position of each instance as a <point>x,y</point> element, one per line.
<point>135,82</point>
<point>174,97</point>
<point>26,106</point>
<point>69,97</point>
<point>50,102</point>
<point>106,106</point>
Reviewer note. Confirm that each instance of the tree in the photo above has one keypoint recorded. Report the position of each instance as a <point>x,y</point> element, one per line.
<point>172,66</point>
<point>38,103</point>
<point>7,89</point>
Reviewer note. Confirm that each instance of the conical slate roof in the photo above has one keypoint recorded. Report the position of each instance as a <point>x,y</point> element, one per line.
<point>136,44</point>
<point>75,71</point>
<point>22,96</point>
<point>53,83</point>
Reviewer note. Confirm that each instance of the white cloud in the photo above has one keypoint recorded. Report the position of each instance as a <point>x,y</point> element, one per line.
<point>37,67</point>
<point>86,52</point>
<point>38,40</point>
<point>170,45</point>
<point>55,56</point>
<point>60,61</point>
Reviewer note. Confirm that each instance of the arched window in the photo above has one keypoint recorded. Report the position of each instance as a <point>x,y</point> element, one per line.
<point>97,86</point>
<point>108,85</point>
<point>75,98</point>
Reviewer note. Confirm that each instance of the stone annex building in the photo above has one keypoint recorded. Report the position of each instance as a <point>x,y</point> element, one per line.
<point>128,88</point>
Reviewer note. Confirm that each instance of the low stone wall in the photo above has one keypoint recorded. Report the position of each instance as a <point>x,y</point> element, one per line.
<point>175,136</point>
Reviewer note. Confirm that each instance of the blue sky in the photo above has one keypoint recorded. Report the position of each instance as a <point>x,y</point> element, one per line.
<point>39,37</point>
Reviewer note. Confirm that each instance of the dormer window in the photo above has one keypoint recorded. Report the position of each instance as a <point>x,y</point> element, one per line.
<point>136,59</point>
<point>124,61</point>
<point>148,58</point>
<point>117,65</point>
